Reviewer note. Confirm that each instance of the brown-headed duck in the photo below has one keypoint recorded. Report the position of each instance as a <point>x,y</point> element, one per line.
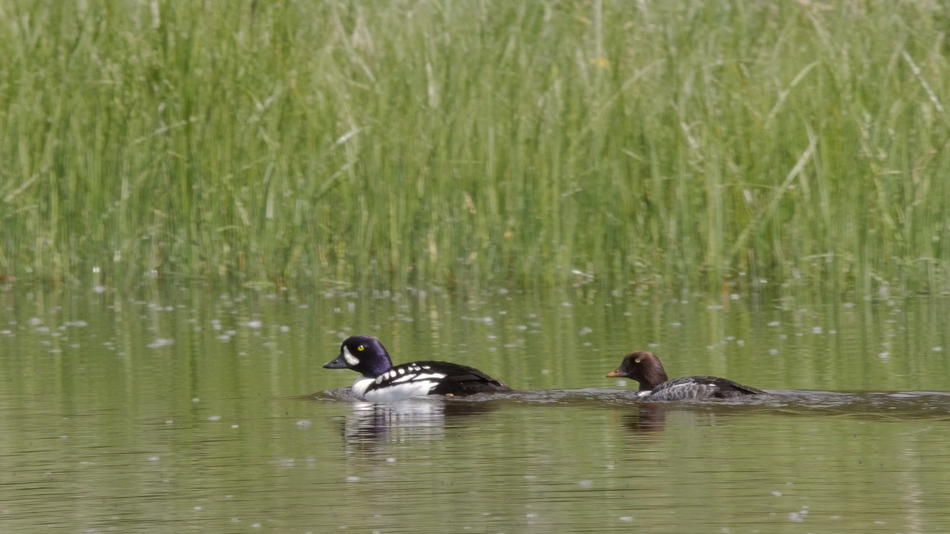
<point>646,369</point>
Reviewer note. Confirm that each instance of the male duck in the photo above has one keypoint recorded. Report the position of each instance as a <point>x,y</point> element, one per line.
<point>645,368</point>
<point>381,382</point>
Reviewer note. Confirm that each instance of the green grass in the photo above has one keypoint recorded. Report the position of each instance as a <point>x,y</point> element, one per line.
<point>682,144</point>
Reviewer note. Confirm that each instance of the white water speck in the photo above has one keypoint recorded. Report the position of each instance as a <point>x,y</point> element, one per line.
<point>214,418</point>
<point>773,352</point>
<point>795,517</point>
<point>254,324</point>
<point>777,493</point>
<point>627,519</point>
<point>816,330</point>
<point>774,323</point>
<point>586,483</point>
<point>304,423</point>
<point>352,479</point>
<point>285,329</point>
<point>161,342</point>
<point>153,458</point>
<point>938,349</point>
<point>884,355</point>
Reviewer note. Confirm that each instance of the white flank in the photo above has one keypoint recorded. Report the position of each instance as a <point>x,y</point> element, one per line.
<point>401,387</point>
<point>417,388</point>
<point>353,361</point>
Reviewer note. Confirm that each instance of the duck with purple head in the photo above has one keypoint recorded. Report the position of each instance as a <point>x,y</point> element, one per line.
<point>646,369</point>
<point>380,381</point>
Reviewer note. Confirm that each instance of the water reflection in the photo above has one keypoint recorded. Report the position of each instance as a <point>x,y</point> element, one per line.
<point>648,418</point>
<point>865,406</point>
<point>414,420</point>
<point>424,419</point>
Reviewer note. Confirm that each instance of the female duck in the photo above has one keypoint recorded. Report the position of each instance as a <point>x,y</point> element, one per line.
<point>381,382</point>
<point>646,369</point>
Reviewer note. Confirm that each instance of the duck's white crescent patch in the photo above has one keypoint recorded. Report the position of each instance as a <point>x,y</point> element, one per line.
<point>353,361</point>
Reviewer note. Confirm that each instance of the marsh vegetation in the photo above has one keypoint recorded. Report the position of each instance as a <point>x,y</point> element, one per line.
<point>679,144</point>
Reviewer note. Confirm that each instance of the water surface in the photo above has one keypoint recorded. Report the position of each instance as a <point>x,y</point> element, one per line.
<point>194,409</point>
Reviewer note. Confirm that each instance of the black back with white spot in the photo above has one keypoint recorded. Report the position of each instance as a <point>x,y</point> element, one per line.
<point>457,380</point>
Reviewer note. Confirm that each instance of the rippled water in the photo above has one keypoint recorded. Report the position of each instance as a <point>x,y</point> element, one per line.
<point>200,410</point>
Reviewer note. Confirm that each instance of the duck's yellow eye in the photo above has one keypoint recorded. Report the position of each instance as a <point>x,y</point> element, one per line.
<point>634,361</point>
<point>360,348</point>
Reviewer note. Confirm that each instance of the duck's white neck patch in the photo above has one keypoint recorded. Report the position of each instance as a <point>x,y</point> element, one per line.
<point>351,360</point>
